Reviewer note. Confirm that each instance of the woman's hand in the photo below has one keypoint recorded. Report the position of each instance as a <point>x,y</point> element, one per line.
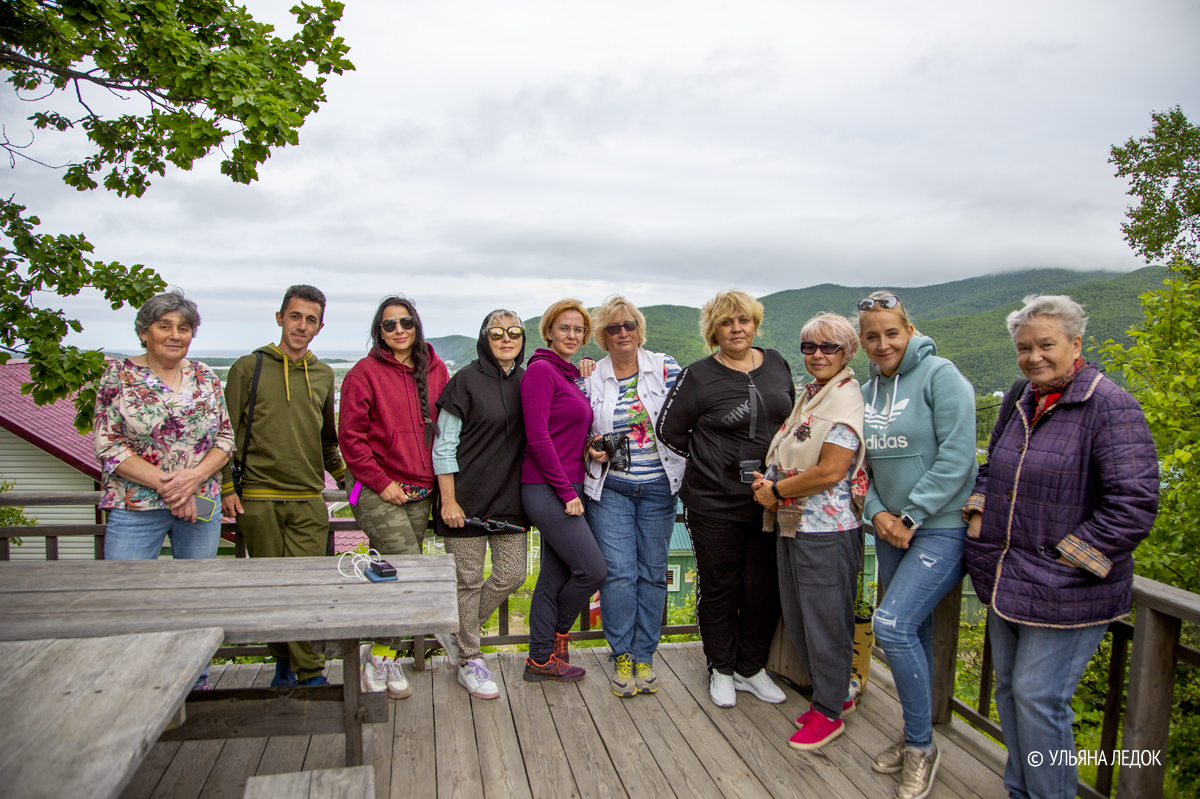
<point>598,455</point>
<point>888,527</point>
<point>185,510</point>
<point>763,493</point>
<point>452,513</point>
<point>394,494</point>
<point>575,507</point>
<point>586,367</point>
<point>177,485</point>
<point>975,525</point>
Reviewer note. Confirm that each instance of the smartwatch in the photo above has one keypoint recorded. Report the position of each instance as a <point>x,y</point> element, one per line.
<point>909,522</point>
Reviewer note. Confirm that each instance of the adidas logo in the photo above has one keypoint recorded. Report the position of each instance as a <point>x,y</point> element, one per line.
<point>883,419</point>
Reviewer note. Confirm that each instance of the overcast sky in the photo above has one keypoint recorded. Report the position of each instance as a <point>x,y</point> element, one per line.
<point>509,154</point>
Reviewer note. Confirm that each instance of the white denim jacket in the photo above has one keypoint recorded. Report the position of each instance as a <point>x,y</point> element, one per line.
<point>602,389</point>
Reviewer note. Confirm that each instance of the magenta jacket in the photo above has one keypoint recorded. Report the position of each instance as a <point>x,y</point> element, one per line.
<point>558,416</point>
<point>1088,469</point>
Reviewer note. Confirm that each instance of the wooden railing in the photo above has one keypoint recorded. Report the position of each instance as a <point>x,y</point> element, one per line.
<point>1160,610</point>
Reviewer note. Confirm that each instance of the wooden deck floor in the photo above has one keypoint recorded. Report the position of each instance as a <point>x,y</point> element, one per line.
<point>552,740</point>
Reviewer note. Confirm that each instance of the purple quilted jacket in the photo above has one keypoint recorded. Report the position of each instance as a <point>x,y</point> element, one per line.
<point>1089,469</point>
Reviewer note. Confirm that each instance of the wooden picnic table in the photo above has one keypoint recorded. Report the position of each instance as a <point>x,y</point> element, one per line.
<point>81,715</point>
<point>252,601</point>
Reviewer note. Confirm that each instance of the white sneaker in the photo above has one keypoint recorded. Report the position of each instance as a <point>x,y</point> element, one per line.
<point>449,644</point>
<point>720,688</point>
<point>374,670</point>
<point>761,686</point>
<point>475,677</point>
<point>397,683</point>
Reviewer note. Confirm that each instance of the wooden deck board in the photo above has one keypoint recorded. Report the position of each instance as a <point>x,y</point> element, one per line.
<point>239,758</point>
<point>579,740</point>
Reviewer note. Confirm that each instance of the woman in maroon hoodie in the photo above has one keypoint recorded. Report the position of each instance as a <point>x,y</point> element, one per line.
<point>558,416</point>
<point>388,418</point>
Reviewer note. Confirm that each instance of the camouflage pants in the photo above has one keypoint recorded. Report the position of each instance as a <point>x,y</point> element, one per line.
<point>391,529</point>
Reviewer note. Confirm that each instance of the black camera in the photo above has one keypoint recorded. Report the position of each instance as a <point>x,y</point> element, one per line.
<point>616,447</point>
<point>748,468</point>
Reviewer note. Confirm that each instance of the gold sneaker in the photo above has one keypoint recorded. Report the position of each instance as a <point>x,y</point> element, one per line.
<point>890,760</point>
<point>916,781</point>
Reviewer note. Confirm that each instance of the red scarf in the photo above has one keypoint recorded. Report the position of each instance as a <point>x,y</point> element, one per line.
<point>1045,397</point>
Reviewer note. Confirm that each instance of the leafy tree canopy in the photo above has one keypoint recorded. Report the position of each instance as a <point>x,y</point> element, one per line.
<point>1164,174</point>
<point>202,75</point>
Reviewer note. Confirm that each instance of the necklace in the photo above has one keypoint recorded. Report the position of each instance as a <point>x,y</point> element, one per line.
<point>725,362</point>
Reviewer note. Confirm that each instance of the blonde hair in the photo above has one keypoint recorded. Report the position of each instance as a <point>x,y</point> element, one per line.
<point>899,310</point>
<point>723,307</point>
<point>558,309</point>
<point>616,307</point>
<point>831,327</point>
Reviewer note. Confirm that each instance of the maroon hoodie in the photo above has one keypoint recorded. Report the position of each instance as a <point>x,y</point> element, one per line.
<point>380,429</point>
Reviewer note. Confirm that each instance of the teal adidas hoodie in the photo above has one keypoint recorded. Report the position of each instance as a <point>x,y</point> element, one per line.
<point>920,436</point>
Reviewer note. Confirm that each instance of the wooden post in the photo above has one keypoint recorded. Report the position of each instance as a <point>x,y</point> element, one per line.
<point>51,547</point>
<point>354,715</point>
<point>503,620</point>
<point>945,652</point>
<point>1148,712</point>
<point>985,671</point>
<point>1112,704</point>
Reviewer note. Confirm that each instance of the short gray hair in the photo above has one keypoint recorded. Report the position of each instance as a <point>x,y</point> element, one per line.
<point>1069,314</point>
<point>159,306</point>
<point>501,313</point>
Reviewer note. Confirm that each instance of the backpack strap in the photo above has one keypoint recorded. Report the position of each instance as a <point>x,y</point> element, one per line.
<point>1010,401</point>
<point>241,464</point>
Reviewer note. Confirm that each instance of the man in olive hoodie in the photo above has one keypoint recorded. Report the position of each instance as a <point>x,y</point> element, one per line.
<point>293,442</point>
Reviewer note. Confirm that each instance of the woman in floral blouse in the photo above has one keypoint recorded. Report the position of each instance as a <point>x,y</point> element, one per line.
<point>162,435</point>
<point>813,495</point>
<point>631,510</point>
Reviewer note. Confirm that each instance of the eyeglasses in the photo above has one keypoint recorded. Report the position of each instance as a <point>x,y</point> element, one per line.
<point>826,347</point>
<point>613,330</point>
<point>887,301</point>
<point>497,333</point>
<point>567,330</point>
<point>406,322</point>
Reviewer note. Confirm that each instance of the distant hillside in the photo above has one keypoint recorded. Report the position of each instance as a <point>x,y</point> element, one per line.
<point>964,317</point>
<point>460,349</point>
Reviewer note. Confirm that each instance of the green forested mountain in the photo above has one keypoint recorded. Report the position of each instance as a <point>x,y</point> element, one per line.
<point>460,349</point>
<point>964,317</point>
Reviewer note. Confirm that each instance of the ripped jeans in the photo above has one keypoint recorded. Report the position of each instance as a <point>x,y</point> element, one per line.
<point>914,581</point>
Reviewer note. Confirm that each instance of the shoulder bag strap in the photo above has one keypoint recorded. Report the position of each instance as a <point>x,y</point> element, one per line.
<point>258,362</point>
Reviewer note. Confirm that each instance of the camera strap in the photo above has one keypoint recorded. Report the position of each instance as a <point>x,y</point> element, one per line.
<point>753,408</point>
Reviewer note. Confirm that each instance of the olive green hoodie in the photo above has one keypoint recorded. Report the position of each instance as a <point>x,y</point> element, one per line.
<point>294,438</point>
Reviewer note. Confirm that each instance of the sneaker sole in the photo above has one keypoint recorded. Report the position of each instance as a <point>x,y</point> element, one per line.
<point>647,690</point>
<point>543,677</point>
<point>888,770</point>
<point>394,694</point>
<point>817,744</point>
<point>624,693</point>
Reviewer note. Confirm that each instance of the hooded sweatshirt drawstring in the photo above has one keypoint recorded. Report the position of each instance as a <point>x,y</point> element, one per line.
<point>287,387</point>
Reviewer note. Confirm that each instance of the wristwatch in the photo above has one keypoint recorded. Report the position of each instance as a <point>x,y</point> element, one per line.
<point>909,522</point>
<point>775,491</point>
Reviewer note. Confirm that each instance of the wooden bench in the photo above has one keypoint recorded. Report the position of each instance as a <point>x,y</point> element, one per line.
<point>357,782</point>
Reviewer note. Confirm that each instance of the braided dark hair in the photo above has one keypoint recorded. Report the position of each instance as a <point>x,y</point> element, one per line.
<point>420,355</point>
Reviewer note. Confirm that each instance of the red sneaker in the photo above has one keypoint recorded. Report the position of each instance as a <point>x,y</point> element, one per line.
<point>560,647</point>
<point>848,706</point>
<point>800,722</point>
<point>552,669</point>
<point>817,731</point>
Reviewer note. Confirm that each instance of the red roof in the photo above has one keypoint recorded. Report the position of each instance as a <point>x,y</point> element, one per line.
<point>50,428</point>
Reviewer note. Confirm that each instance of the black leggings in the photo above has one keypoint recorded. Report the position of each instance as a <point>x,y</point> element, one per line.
<point>573,567</point>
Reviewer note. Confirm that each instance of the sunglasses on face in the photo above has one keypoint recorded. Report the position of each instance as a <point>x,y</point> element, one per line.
<point>613,330</point>
<point>888,301</point>
<point>826,347</point>
<point>497,333</point>
<point>389,325</point>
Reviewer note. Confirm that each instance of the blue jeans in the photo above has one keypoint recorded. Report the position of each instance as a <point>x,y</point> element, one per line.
<point>139,535</point>
<point>1037,669</point>
<point>914,581</point>
<point>632,523</point>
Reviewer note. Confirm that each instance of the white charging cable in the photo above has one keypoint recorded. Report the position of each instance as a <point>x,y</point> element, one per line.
<point>359,563</point>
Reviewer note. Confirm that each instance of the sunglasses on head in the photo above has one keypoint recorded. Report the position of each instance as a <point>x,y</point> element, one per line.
<point>613,330</point>
<point>826,347</point>
<point>887,301</point>
<point>497,333</point>
<point>406,322</point>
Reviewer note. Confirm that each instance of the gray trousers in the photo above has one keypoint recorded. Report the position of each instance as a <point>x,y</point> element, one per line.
<point>818,575</point>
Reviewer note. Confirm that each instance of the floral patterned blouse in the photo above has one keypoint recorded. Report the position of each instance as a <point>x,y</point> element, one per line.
<point>137,414</point>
